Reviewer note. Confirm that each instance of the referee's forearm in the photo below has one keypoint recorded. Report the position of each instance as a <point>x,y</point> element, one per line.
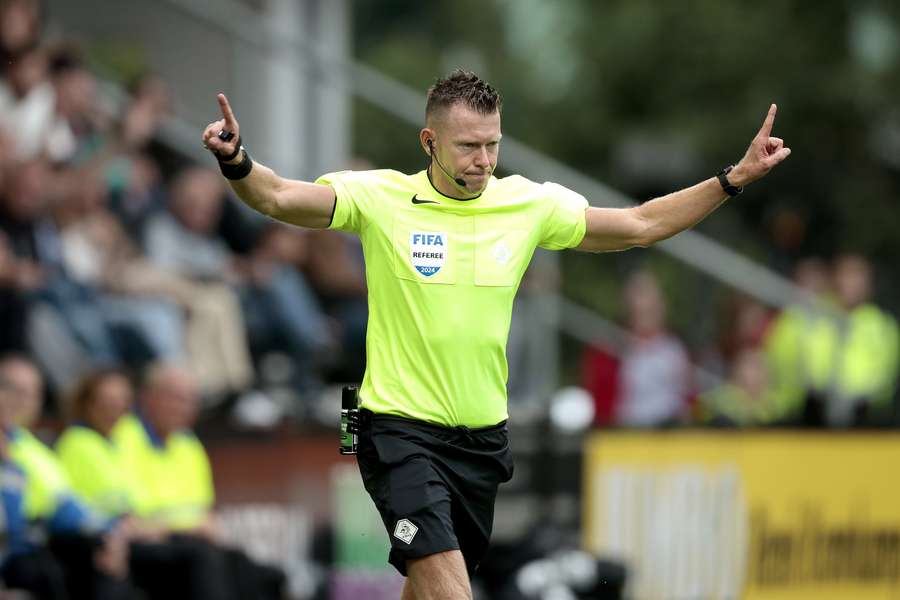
<point>675,212</point>
<point>259,189</point>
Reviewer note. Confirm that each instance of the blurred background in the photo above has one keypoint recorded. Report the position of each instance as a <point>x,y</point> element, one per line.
<point>713,417</point>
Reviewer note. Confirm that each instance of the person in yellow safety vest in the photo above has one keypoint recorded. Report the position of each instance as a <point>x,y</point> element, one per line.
<point>846,361</point>
<point>865,350</point>
<point>24,563</point>
<point>784,342</point>
<point>172,485</point>
<point>91,461</point>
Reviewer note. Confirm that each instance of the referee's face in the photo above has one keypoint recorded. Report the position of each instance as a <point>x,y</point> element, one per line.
<point>467,144</point>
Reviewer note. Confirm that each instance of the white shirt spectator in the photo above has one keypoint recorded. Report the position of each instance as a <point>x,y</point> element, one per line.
<point>653,382</point>
<point>34,125</point>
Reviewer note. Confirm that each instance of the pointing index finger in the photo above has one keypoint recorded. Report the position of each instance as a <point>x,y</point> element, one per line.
<point>766,128</point>
<point>230,121</point>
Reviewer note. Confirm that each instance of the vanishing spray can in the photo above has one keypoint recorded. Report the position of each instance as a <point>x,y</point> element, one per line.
<point>349,418</point>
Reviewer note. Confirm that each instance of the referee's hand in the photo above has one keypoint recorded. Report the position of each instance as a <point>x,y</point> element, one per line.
<point>216,136</point>
<point>764,153</point>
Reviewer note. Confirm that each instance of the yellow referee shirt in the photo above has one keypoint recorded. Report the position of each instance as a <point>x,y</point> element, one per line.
<point>442,274</point>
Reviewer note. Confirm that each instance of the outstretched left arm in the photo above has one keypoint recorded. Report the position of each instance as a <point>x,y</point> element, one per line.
<point>610,229</point>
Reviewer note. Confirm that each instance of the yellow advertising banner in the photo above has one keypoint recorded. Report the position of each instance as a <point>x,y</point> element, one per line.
<point>780,515</point>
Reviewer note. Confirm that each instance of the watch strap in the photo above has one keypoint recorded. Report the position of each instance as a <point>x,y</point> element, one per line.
<point>722,176</point>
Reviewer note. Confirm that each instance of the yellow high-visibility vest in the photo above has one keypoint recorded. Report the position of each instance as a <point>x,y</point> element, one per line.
<point>844,359</point>
<point>96,470</point>
<point>45,479</point>
<point>171,482</point>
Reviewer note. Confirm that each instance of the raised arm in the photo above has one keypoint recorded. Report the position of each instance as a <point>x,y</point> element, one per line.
<point>296,202</point>
<point>609,229</point>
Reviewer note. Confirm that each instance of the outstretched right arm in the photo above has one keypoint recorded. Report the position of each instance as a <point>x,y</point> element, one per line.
<point>296,202</point>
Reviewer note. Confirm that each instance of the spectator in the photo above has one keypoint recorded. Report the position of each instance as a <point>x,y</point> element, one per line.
<point>163,566</point>
<point>132,175</point>
<point>20,27</point>
<point>85,449</point>
<point>175,489</point>
<point>76,131</point>
<point>863,375</point>
<point>27,102</point>
<point>25,217</point>
<point>28,383</point>
<point>747,320</point>
<point>169,462</point>
<point>136,192</point>
<point>26,94</point>
<point>24,564</point>
<point>92,551</point>
<point>652,377</point>
<point>744,400</point>
<point>149,105</point>
<point>279,307</point>
<point>786,338</point>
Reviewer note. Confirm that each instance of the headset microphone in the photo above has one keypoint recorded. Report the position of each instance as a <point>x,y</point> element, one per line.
<point>458,180</point>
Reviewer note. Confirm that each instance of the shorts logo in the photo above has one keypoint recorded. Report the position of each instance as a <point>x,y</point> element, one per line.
<point>427,251</point>
<point>405,531</point>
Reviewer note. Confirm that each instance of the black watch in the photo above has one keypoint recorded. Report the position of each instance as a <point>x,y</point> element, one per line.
<point>731,190</point>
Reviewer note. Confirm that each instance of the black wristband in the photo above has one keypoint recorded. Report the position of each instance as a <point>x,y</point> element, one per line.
<point>237,150</point>
<point>731,190</point>
<point>238,171</point>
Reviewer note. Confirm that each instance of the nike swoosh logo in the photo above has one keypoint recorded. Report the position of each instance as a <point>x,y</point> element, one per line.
<point>416,200</point>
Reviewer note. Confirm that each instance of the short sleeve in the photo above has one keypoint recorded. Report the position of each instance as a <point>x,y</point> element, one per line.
<point>349,213</point>
<point>565,224</point>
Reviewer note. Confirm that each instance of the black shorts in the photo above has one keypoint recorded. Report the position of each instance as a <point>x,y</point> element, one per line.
<point>434,486</point>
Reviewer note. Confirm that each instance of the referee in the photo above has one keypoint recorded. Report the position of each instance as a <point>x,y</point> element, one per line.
<point>445,250</point>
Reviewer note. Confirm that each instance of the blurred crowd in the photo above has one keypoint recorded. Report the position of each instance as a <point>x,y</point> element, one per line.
<point>134,296</point>
<point>114,253</point>
<point>828,359</point>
